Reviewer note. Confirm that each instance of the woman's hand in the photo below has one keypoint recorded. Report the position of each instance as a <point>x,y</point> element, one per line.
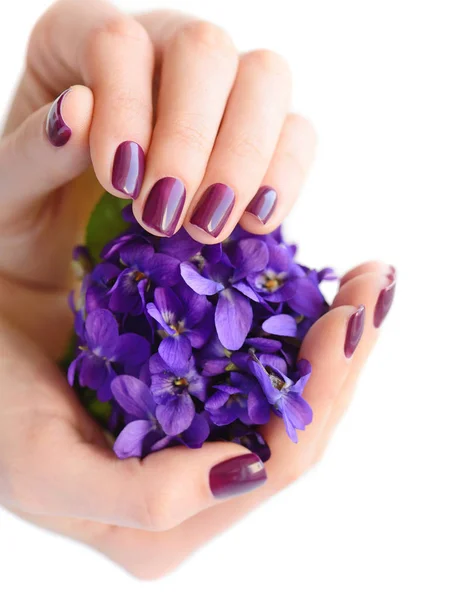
<point>164,107</point>
<point>56,468</point>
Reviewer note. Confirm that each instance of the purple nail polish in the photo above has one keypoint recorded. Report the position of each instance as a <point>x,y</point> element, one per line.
<point>128,169</point>
<point>263,203</point>
<point>237,475</point>
<point>164,205</point>
<point>355,330</point>
<point>214,208</point>
<point>384,302</point>
<point>57,130</point>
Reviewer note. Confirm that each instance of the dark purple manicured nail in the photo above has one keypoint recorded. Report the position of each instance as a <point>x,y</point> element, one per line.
<point>128,169</point>
<point>263,203</point>
<point>237,475</point>
<point>164,205</point>
<point>355,330</point>
<point>384,302</point>
<point>57,130</point>
<point>214,208</point>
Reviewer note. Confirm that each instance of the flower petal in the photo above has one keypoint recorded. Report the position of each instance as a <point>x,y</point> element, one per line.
<point>181,245</point>
<point>197,432</point>
<point>217,400</point>
<point>176,415</point>
<point>256,368</point>
<point>175,350</point>
<point>133,396</point>
<point>132,349</point>
<point>258,407</point>
<point>93,371</point>
<point>252,256</point>
<point>280,325</point>
<point>245,289</point>
<point>233,318</point>
<point>169,305</point>
<point>198,283</point>
<point>308,300</point>
<point>164,270</point>
<point>264,344</point>
<point>102,332</point>
<point>129,443</point>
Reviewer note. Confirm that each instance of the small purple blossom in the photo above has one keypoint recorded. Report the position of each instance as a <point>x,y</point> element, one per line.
<point>189,342</point>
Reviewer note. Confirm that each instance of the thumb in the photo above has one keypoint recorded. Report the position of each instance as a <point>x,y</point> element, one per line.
<point>47,150</point>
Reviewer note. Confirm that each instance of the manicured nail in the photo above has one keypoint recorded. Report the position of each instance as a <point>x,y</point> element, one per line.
<point>128,169</point>
<point>237,475</point>
<point>384,302</point>
<point>355,330</point>
<point>263,203</point>
<point>57,130</point>
<point>164,205</point>
<point>214,208</point>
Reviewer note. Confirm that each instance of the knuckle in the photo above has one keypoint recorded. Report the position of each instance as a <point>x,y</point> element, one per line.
<point>248,147</point>
<point>207,35</point>
<point>301,126</point>
<point>116,30</point>
<point>190,131</point>
<point>269,62</point>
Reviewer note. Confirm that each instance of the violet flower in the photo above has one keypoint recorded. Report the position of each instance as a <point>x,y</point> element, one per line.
<point>102,350</point>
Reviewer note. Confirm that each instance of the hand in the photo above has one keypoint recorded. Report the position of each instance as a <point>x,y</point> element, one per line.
<point>56,469</point>
<point>212,117</point>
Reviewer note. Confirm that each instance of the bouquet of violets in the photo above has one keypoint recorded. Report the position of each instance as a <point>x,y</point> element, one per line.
<point>178,342</point>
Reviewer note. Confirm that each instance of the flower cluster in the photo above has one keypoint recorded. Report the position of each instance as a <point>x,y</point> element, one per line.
<point>189,343</point>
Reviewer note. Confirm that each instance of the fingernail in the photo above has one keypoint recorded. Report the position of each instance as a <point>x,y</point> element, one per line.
<point>164,205</point>
<point>384,302</point>
<point>214,208</point>
<point>128,169</point>
<point>57,130</point>
<point>263,203</point>
<point>355,330</point>
<point>237,475</point>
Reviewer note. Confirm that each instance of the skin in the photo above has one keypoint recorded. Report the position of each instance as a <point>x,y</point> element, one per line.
<point>148,515</point>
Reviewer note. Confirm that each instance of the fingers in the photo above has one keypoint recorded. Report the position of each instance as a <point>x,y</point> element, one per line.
<point>113,54</point>
<point>284,178</point>
<point>51,147</point>
<point>245,144</point>
<point>198,72</point>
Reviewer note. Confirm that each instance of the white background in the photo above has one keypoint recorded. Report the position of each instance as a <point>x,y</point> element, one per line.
<point>381,516</point>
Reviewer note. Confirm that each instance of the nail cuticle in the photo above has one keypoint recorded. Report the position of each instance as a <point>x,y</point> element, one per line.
<point>57,130</point>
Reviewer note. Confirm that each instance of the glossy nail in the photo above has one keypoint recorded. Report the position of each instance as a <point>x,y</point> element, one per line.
<point>214,208</point>
<point>128,169</point>
<point>164,205</point>
<point>263,203</point>
<point>355,330</point>
<point>237,475</point>
<point>384,301</point>
<point>56,128</point>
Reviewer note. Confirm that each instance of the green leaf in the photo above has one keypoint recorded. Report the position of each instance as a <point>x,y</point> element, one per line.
<point>105,224</point>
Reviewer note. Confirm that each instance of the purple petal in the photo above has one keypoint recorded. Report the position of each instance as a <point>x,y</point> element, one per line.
<point>285,292</point>
<point>308,300</point>
<point>197,432</point>
<point>233,318</point>
<point>201,333</point>
<point>133,396</point>
<point>197,305</point>
<point>217,400</point>
<point>197,282</point>
<point>297,410</point>
<point>258,407</point>
<point>264,344</point>
<point>277,363</point>
<point>102,332</point>
<point>169,305</point>
<point>93,371</point>
<point>72,369</point>
<point>132,349</point>
<point>164,270</point>
<point>280,258</point>
<point>124,295</point>
<point>281,325</point>
<point>176,415</point>
<point>245,289</point>
<point>327,274</point>
<point>130,440</point>
<point>252,256</point>
<point>212,253</point>
<point>175,350</point>
<point>181,245</point>
<point>271,393</point>
<point>215,366</point>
